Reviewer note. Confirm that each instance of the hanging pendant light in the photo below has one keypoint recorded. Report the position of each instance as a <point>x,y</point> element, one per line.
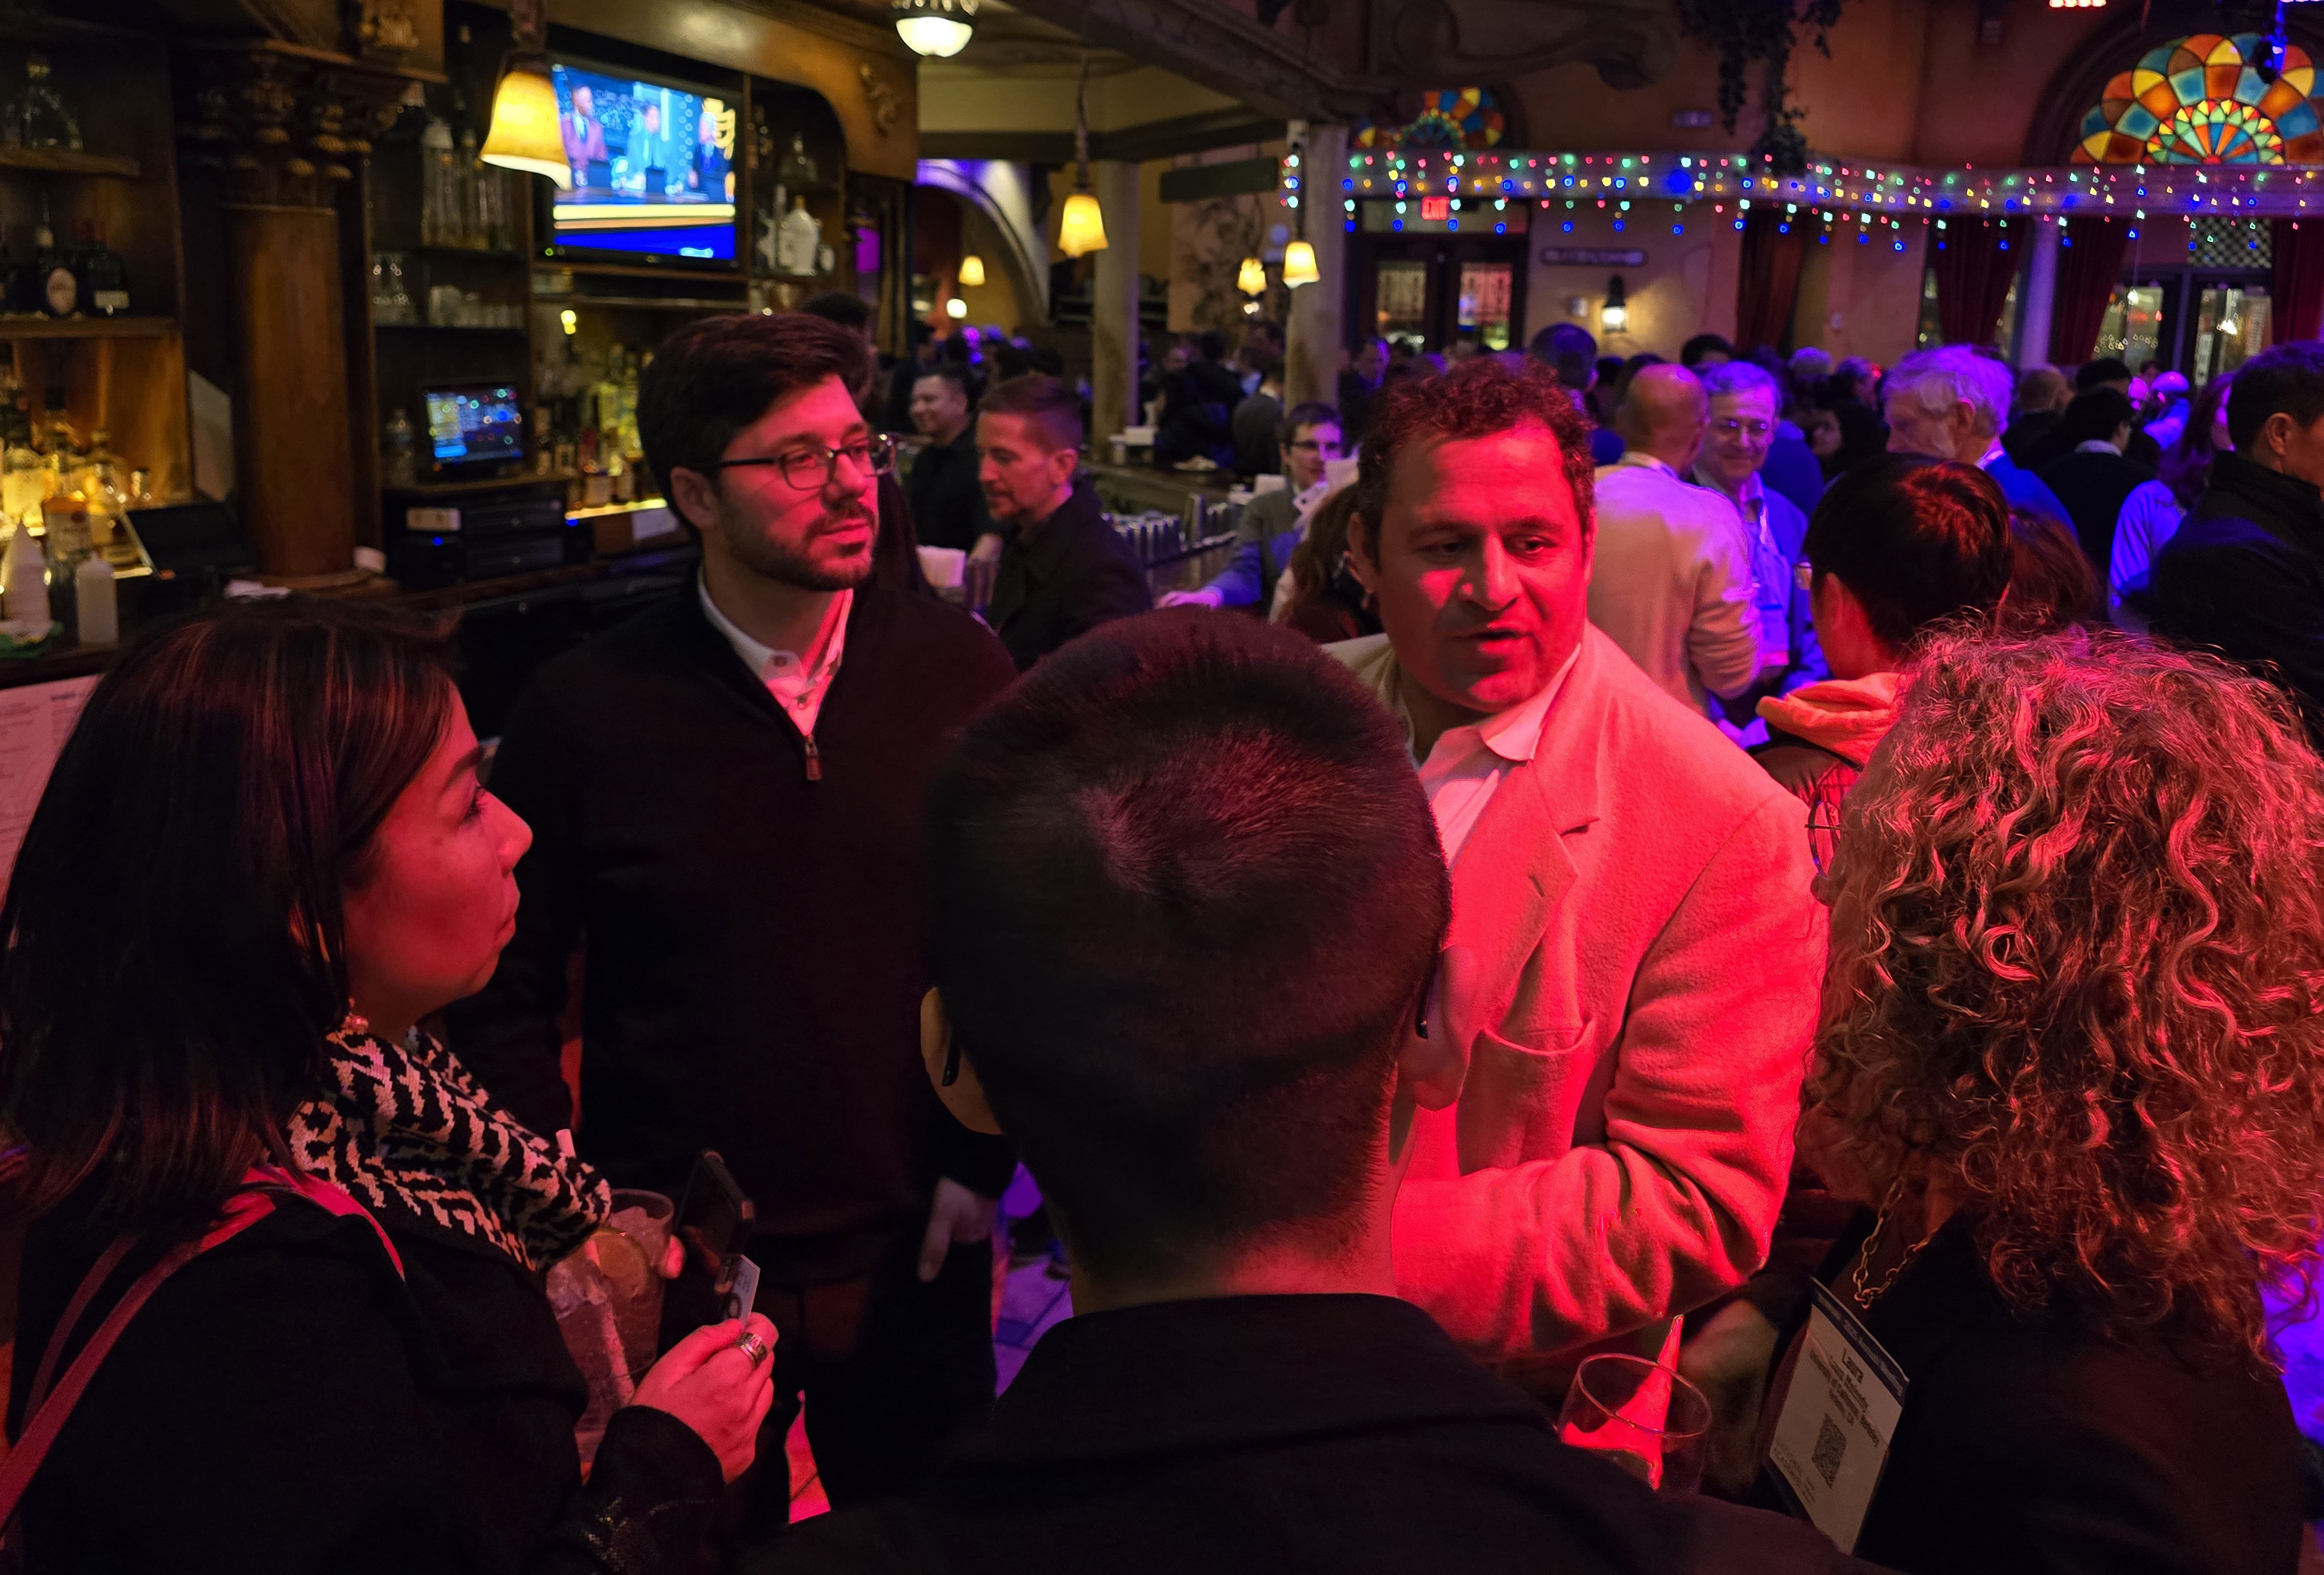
<point>1251,280</point>
<point>1299,264</point>
<point>937,28</point>
<point>972,271</point>
<point>1080,230</point>
<point>524,133</point>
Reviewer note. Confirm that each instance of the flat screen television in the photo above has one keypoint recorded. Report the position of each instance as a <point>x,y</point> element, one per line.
<point>653,169</point>
<point>473,429</point>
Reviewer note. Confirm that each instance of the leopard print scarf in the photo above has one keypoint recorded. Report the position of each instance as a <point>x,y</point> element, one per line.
<point>408,1128</point>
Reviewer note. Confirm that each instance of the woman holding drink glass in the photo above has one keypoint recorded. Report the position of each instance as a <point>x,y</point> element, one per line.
<point>263,856</point>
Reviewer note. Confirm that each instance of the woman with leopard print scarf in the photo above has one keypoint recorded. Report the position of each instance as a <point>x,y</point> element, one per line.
<point>263,857</point>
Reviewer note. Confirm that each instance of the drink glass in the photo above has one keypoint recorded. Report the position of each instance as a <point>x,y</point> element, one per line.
<point>1641,1416</point>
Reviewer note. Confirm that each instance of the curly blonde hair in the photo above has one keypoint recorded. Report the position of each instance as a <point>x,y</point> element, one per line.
<point>2077,971</point>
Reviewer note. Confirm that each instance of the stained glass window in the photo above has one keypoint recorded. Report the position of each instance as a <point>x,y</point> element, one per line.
<point>2204,99</point>
<point>1449,117</point>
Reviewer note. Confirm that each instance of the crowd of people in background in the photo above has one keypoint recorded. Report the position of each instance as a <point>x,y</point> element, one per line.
<point>1649,859</point>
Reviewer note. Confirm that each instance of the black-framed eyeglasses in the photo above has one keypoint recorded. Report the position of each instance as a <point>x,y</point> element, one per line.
<point>1823,833</point>
<point>810,468</point>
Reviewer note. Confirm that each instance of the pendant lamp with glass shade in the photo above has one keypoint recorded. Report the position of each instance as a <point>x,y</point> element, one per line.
<point>1299,256</point>
<point>937,28</point>
<point>524,134</point>
<point>1251,279</point>
<point>972,271</point>
<point>1082,228</point>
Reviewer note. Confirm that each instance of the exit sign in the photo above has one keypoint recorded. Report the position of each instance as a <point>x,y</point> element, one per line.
<point>1436,210</point>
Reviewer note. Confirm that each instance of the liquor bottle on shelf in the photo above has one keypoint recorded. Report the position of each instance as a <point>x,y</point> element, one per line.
<point>36,117</point>
<point>466,181</point>
<point>439,219</point>
<point>60,457</point>
<point>24,473</point>
<point>101,484</point>
<point>104,281</point>
<point>399,450</point>
<point>45,284</point>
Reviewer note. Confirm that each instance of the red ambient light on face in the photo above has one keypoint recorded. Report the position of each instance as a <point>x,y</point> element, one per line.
<point>1436,210</point>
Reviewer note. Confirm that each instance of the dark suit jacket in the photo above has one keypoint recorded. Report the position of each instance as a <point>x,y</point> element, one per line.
<point>2245,573</point>
<point>947,503</point>
<point>1338,1434</point>
<point>2092,485</point>
<point>1062,578</point>
<point>2036,1446</point>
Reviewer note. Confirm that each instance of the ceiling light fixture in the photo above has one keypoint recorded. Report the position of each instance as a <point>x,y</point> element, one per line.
<point>972,271</point>
<point>1080,230</point>
<point>935,28</point>
<point>524,134</point>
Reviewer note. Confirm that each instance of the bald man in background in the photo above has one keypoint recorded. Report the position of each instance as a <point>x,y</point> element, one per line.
<point>1672,584</point>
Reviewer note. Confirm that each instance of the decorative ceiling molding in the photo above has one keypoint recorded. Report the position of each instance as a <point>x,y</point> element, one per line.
<point>1155,139</point>
<point>1220,48</point>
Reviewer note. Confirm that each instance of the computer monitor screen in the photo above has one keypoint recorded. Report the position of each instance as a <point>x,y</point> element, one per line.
<point>653,167</point>
<point>473,427</point>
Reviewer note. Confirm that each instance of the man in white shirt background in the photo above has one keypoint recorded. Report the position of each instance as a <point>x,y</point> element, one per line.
<point>1673,585</point>
<point>1632,926</point>
<point>1744,408</point>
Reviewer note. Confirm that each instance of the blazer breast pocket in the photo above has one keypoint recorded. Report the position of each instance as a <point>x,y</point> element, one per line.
<point>1512,1103</point>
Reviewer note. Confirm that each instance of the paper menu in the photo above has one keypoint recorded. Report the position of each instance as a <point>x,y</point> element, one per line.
<point>35,720</point>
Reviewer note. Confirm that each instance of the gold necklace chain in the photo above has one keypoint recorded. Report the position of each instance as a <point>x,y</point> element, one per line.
<point>1866,1296</point>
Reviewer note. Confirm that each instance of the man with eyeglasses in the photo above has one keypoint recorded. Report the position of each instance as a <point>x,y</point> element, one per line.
<point>1270,526</point>
<point>1064,570</point>
<point>1744,408</point>
<point>727,795</point>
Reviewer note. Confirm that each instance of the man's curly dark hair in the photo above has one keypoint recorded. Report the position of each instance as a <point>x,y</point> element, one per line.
<point>1484,396</point>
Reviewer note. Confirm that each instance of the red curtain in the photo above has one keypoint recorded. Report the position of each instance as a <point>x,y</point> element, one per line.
<point>2295,289</point>
<point>1768,282</point>
<point>1974,259</point>
<point>2089,266</point>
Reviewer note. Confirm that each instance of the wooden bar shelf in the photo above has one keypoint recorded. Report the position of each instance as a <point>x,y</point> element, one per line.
<point>66,161</point>
<point>87,328</point>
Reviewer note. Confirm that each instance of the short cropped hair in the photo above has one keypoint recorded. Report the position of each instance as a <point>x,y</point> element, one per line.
<point>1702,345</point>
<point>1567,349</point>
<point>1152,861</point>
<point>2287,377</point>
<point>2038,387</point>
<point>849,312</point>
<point>1311,413</point>
<point>1483,397</point>
<point>1740,378</point>
<point>2093,415</point>
<point>1919,543</point>
<point>712,378</point>
<point>1211,344</point>
<point>1809,365</point>
<point>950,372</point>
<point>1935,378</point>
<point>1048,406</point>
<point>2104,370</point>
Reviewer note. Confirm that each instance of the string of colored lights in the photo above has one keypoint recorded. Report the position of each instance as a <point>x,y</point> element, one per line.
<point>1829,186</point>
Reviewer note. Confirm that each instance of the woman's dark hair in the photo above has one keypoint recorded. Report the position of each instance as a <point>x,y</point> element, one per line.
<point>173,945</point>
<point>1317,557</point>
<point>1917,542</point>
<point>2187,462</point>
<point>2052,585</point>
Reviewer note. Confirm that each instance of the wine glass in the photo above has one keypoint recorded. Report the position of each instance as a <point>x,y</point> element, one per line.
<point>1641,1416</point>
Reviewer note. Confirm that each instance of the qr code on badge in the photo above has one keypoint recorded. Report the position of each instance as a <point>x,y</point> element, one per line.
<point>1830,1445</point>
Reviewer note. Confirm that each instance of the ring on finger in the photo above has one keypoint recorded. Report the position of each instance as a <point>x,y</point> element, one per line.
<point>753,1347</point>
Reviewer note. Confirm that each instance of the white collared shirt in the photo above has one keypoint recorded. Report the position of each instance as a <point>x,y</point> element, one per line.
<point>1465,768</point>
<point>799,682</point>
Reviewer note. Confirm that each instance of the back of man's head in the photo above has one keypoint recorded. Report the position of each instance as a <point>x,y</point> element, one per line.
<point>2042,388</point>
<point>1052,412</point>
<point>1567,349</point>
<point>1713,348</point>
<point>2287,379</point>
<point>2096,415</point>
<point>2098,373</point>
<point>1213,344</point>
<point>1186,895</point>
<point>1663,414</point>
<point>1937,377</point>
<point>1809,367</point>
<point>1917,543</point>
<point>849,312</point>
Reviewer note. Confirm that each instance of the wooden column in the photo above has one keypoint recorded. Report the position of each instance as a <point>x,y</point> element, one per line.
<point>1318,329</point>
<point>286,126</point>
<point>1113,309</point>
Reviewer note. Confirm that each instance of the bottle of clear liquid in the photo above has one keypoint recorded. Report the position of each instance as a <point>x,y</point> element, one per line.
<point>438,210</point>
<point>24,582</point>
<point>399,450</point>
<point>96,603</point>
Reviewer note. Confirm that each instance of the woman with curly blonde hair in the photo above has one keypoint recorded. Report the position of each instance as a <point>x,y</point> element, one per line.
<point>2072,1062</point>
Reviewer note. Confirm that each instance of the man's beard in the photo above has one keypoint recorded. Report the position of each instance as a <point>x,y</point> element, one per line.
<point>772,561</point>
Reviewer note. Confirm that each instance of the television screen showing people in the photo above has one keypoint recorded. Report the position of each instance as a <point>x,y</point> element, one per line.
<point>653,167</point>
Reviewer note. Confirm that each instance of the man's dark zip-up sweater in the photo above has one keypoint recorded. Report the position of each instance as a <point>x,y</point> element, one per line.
<point>752,903</point>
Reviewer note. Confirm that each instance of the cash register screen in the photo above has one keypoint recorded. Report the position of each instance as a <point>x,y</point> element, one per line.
<point>473,427</point>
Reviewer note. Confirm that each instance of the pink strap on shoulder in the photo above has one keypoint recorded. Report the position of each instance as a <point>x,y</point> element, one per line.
<point>47,1412</point>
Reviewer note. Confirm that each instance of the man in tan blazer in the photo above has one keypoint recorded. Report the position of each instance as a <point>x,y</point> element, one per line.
<point>1633,939</point>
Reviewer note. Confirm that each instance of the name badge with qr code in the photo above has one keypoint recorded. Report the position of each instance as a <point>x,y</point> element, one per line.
<point>1831,1436</point>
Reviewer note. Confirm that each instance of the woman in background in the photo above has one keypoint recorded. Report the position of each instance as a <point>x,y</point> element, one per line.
<point>2151,515</point>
